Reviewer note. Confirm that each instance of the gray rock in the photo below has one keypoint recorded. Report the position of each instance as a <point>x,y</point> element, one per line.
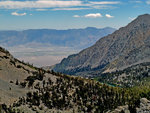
<point>119,109</point>
<point>144,106</point>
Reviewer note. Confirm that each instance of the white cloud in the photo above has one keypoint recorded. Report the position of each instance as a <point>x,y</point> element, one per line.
<point>41,9</point>
<point>109,16</point>
<point>135,1</point>
<point>138,1</point>
<point>131,18</point>
<point>69,9</point>
<point>43,5</point>
<point>105,2</point>
<point>148,2</point>
<point>93,15</point>
<point>76,16</point>
<point>38,4</point>
<point>102,7</point>
<point>18,14</point>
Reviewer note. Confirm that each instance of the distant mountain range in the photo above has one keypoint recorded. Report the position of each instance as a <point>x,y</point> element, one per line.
<point>78,38</point>
<point>127,46</point>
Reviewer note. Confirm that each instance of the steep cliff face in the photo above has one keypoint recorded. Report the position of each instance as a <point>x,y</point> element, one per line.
<point>126,46</point>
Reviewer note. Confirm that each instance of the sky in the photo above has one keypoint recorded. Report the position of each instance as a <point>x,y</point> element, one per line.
<point>69,14</point>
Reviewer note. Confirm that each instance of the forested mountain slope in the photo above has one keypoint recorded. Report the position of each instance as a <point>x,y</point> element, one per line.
<point>25,88</point>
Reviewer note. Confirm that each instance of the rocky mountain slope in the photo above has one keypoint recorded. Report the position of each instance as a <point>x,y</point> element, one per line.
<point>12,72</point>
<point>124,47</point>
<point>8,73</point>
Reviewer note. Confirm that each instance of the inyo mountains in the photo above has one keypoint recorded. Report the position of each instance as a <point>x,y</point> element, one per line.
<point>78,38</point>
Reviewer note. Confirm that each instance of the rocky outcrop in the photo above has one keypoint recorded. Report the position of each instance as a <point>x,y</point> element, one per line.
<point>120,109</point>
<point>144,106</point>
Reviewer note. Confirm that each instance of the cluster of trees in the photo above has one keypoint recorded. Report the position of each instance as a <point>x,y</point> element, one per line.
<point>29,81</point>
<point>132,76</point>
<point>4,50</point>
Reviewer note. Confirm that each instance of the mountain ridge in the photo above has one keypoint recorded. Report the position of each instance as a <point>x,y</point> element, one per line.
<point>109,49</point>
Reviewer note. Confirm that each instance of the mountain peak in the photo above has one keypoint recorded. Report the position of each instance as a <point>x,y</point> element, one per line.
<point>142,20</point>
<point>144,16</point>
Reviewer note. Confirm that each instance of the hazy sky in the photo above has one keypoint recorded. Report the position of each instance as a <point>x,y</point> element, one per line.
<point>65,14</point>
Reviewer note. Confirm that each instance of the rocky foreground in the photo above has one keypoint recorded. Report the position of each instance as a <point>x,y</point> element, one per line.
<point>144,107</point>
